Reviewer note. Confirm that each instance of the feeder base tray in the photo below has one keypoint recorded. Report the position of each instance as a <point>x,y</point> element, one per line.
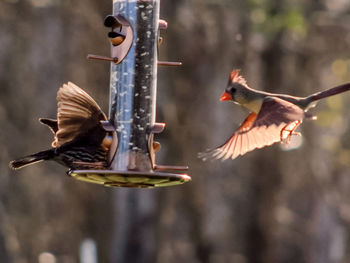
<point>129,178</point>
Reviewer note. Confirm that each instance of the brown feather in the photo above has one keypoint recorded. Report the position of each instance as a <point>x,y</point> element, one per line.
<point>52,124</point>
<point>76,112</point>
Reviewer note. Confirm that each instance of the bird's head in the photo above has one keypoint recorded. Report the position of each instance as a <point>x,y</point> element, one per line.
<point>236,84</point>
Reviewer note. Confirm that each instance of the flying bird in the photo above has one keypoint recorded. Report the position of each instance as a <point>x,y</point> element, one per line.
<point>273,118</point>
<point>80,141</point>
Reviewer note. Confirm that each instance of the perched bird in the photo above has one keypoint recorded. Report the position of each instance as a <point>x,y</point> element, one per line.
<point>118,26</point>
<point>80,141</point>
<point>273,117</point>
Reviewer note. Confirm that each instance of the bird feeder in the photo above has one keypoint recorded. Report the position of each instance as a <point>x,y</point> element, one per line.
<point>134,36</point>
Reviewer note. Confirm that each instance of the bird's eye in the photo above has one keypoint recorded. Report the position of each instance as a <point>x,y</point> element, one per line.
<point>231,89</point>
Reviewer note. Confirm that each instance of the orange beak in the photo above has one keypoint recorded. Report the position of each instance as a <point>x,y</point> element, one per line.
<point>226,96</point>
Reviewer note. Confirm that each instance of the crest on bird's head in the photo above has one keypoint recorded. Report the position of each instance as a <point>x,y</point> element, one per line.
<point>235,77</point>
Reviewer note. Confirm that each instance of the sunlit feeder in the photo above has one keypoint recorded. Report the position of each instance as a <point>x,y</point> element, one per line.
<point>134,36</point>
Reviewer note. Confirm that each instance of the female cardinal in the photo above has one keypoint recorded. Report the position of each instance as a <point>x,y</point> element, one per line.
<point>273,117</point>
<point>80,142</point>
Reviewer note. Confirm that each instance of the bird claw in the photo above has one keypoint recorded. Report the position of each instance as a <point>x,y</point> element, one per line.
<point>288,131</point>
<point>296,133</point>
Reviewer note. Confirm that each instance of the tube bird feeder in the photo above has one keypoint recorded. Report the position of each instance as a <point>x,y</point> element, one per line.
<point>134,36</point>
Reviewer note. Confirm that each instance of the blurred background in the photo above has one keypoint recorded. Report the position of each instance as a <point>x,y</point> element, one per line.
<point>272,205</point>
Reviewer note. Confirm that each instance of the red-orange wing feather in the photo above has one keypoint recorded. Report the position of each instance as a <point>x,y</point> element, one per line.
<point>258,130</point>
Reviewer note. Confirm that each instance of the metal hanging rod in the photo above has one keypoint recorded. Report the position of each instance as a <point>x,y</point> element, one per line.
<point>115,60</point>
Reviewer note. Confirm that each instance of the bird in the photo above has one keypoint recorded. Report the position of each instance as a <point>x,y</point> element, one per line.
<point>80,141</point>
<point>273,117</point>
<point>118,25</point>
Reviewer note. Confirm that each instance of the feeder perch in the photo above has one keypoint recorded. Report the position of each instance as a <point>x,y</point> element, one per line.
<point>134,33</point>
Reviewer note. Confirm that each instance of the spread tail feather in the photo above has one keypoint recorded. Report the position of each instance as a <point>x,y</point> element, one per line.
<point>30,159</point>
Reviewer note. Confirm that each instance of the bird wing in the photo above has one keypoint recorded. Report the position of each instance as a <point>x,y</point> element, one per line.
<point>259,130</point>
<point>77,112</point>
<point>52,124</point>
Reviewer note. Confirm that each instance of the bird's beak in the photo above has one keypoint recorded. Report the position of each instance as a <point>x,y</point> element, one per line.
<point>226,96</point>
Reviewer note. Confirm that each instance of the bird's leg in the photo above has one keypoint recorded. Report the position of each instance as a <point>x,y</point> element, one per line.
<point>289,130</point>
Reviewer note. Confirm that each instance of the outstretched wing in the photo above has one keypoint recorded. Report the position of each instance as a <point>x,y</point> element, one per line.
<point>259,130</point>
<point>77,112</point>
